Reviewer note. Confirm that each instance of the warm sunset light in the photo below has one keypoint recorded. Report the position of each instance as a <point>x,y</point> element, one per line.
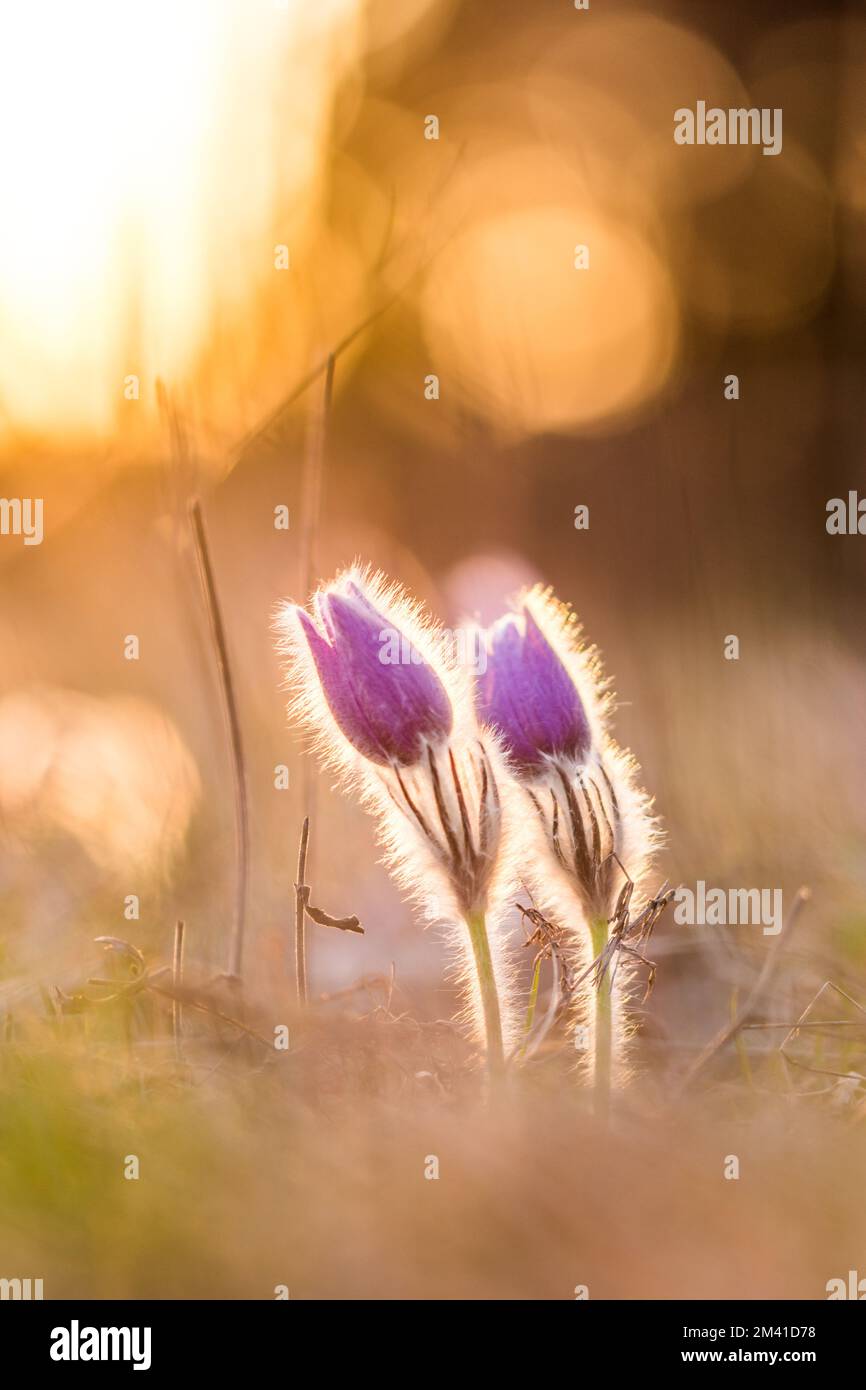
<point>432,674</point>
<point>143,169</point>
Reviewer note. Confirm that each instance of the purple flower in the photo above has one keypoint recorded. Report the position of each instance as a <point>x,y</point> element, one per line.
<point>387,711</point>
<point>528,696</point>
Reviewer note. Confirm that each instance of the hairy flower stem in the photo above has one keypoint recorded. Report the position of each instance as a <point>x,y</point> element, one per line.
<point>489,996</point>
<point>603,1023</point>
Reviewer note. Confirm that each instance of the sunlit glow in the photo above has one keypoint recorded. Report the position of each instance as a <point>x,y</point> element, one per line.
<point>538,344</point>
<point>148,156</point>
<point>112,774</point>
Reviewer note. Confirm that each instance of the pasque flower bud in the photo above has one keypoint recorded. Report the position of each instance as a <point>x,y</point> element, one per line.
<point>389,713</point>
<point>528,696</point>
<point>542,695</point>
<point>405,733</point>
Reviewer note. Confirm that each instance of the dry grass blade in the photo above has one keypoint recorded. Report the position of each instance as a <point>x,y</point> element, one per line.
<point>242,831</point>
<point>271,422</point>
<point>313,490</point>
<point>745,1015</point>
<point>802,1022</point>
<point>300,905</point>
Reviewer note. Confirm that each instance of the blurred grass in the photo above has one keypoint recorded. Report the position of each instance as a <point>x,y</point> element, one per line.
<point>306,1168</point>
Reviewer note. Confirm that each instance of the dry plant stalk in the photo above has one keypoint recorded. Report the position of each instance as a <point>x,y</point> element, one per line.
<point>236,748</point>
<point>313,491</point>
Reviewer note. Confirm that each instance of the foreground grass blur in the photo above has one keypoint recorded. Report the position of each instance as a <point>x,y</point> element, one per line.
<point>306,1168</point>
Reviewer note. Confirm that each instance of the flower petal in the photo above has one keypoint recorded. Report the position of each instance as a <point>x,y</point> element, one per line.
<point>527,694</point>
<point>387,709</point>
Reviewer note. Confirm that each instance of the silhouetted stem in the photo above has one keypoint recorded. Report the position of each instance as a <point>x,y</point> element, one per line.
<point>313,489</point>
<point>487,985</point>
<point>233,724</point>
<point>300,912</point>
<point>603,1042</point>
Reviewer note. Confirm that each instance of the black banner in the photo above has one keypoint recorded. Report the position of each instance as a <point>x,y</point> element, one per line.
<point>153,1338</point>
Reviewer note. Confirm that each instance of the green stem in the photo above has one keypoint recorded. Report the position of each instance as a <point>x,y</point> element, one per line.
<point>487,985</point>
<point>531,1006</point>
<point>603,1023</point>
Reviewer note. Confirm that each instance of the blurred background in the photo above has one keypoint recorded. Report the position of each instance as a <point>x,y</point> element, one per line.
<point>204,202</point>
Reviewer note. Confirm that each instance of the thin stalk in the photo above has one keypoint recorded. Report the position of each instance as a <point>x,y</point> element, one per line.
<point>739,1041</point>
<point>272,421</point>
<point>489,997</point>
<point>233,724</point>
<point>603,1024</point>
<point>300,914</point>
<point>314,477</point>
<point>746,1014</point>
<point>531,1006</point>
<point>313,490</point>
